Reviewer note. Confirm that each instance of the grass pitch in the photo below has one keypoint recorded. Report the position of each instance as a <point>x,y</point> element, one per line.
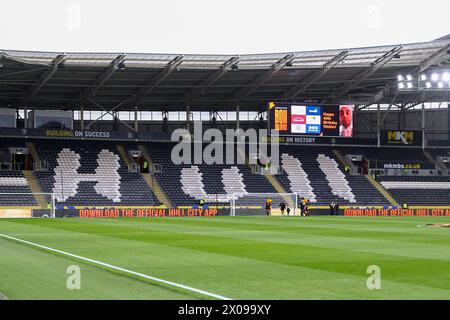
<point>236,257</point>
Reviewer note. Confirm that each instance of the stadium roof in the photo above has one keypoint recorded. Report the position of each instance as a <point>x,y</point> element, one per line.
<point>121,81</point>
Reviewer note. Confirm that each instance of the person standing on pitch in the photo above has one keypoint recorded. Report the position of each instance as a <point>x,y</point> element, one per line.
<point>332,208</point>
<point>306,209</point>
<point>302,207</point>
<point>282,207</point>
<point>268,207</point>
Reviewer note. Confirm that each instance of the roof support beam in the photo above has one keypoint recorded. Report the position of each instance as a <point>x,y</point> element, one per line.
<point>264,77</point>
<point>100,81</point>
<point>294,91</point>
<point>151,85</point>
<point>435,58</point>
<point>389,109</point>
<point>112,114</point>
<point>375,66</point>
<point>194,92</point>
<point>44,78</point>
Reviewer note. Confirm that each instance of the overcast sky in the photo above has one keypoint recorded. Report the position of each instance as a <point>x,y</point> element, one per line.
<point>217,26</point>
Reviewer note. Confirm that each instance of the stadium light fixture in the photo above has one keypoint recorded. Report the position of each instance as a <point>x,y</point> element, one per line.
<point>446,76</point>
<point>428,81</point>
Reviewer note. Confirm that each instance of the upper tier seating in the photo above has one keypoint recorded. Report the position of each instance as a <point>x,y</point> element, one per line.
<point>379,156</point>
<point>90,173</point>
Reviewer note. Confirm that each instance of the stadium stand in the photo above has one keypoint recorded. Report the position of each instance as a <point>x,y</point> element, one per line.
<point>14,190</point>
<point>418,190</point>
<point>329,183</point>
<point>221,179</point>
<point>92,175</point>
<point>379,156</point>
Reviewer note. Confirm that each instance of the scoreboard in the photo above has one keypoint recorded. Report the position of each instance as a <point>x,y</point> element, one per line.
<point>311,120</point>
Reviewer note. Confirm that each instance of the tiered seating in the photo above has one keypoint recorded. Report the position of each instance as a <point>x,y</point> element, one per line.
<point>418,190</point>
<point>385,155</point>
<point>336,179</point>
<point>298,179</point>
<point>333,186</point>
<point>16,185</point>
<point>90,173</point>
<point>219,181</point>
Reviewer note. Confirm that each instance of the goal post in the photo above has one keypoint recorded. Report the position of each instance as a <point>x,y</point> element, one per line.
<point>255,204</point>
<point>27,205</point>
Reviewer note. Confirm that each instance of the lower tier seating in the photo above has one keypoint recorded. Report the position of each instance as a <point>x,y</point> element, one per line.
<point>418,190</point>
<point>14,190</point>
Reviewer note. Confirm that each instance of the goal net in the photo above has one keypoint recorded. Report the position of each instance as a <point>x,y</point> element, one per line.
<point>27,205</point>
<point>255,204</point>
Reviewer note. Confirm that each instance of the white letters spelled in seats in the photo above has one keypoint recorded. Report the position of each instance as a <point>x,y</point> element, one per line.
<point>232,180</point>
<point>106,175</point>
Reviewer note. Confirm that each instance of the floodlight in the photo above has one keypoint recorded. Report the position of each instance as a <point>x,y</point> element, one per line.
<point>423,77</point>
<point>400,77</point>
<point>401,85</point>
<point>409,85</point>
<point>435,77</point>
<point>440,85</point>
<point>446,76</point>
<point>409,77</point>
<point>428,84</point>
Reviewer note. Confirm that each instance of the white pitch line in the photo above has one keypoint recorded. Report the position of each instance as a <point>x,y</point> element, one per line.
<point>170,283</point>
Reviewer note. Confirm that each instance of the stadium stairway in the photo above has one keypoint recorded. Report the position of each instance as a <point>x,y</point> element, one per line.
<point>341,159</point>
<point>382,190</point>
<point>152,182</point>
<point>279,188</point>
<point>32,148</point>
<point>432,160</point>
<point>374,183</point>
<point>35,188</point>
<point>270,178</point>
<point>123,154</point>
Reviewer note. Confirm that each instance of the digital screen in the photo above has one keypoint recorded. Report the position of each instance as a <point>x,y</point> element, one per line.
<point>317,120</point>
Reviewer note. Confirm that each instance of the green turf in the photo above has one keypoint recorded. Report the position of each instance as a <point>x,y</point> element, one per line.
<point>236,257</point>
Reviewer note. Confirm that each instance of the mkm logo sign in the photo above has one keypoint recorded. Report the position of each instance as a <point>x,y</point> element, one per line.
<point>404,137</point>
<point>401,138</point>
